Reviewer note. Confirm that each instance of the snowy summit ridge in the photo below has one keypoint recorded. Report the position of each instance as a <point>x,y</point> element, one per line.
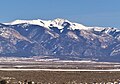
<point>59,23</point>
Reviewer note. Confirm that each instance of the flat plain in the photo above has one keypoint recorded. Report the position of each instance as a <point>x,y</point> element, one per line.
<point>62,77</point>
<point>60,72</point>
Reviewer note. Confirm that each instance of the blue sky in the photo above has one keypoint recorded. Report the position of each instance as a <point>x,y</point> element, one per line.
<point>87,12</point>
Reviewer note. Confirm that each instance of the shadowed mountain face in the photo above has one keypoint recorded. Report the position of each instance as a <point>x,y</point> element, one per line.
<point>59,38</point>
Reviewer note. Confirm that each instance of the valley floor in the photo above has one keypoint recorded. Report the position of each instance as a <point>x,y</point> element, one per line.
<point>61,77</point>
<point>59,72</point>
<point>59,65</point>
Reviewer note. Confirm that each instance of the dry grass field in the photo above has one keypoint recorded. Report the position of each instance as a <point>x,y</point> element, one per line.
<point>51,77</point>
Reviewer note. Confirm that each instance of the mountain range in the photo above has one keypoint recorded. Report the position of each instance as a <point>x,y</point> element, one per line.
<point>59,38</point>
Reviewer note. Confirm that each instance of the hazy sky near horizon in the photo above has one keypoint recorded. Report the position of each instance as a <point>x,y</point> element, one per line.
<point>88,12</point>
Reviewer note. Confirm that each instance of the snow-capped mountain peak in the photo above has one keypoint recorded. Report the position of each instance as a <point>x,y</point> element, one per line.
<point>58,38</point>
<point>59,23</point>
<point>72,26</point>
